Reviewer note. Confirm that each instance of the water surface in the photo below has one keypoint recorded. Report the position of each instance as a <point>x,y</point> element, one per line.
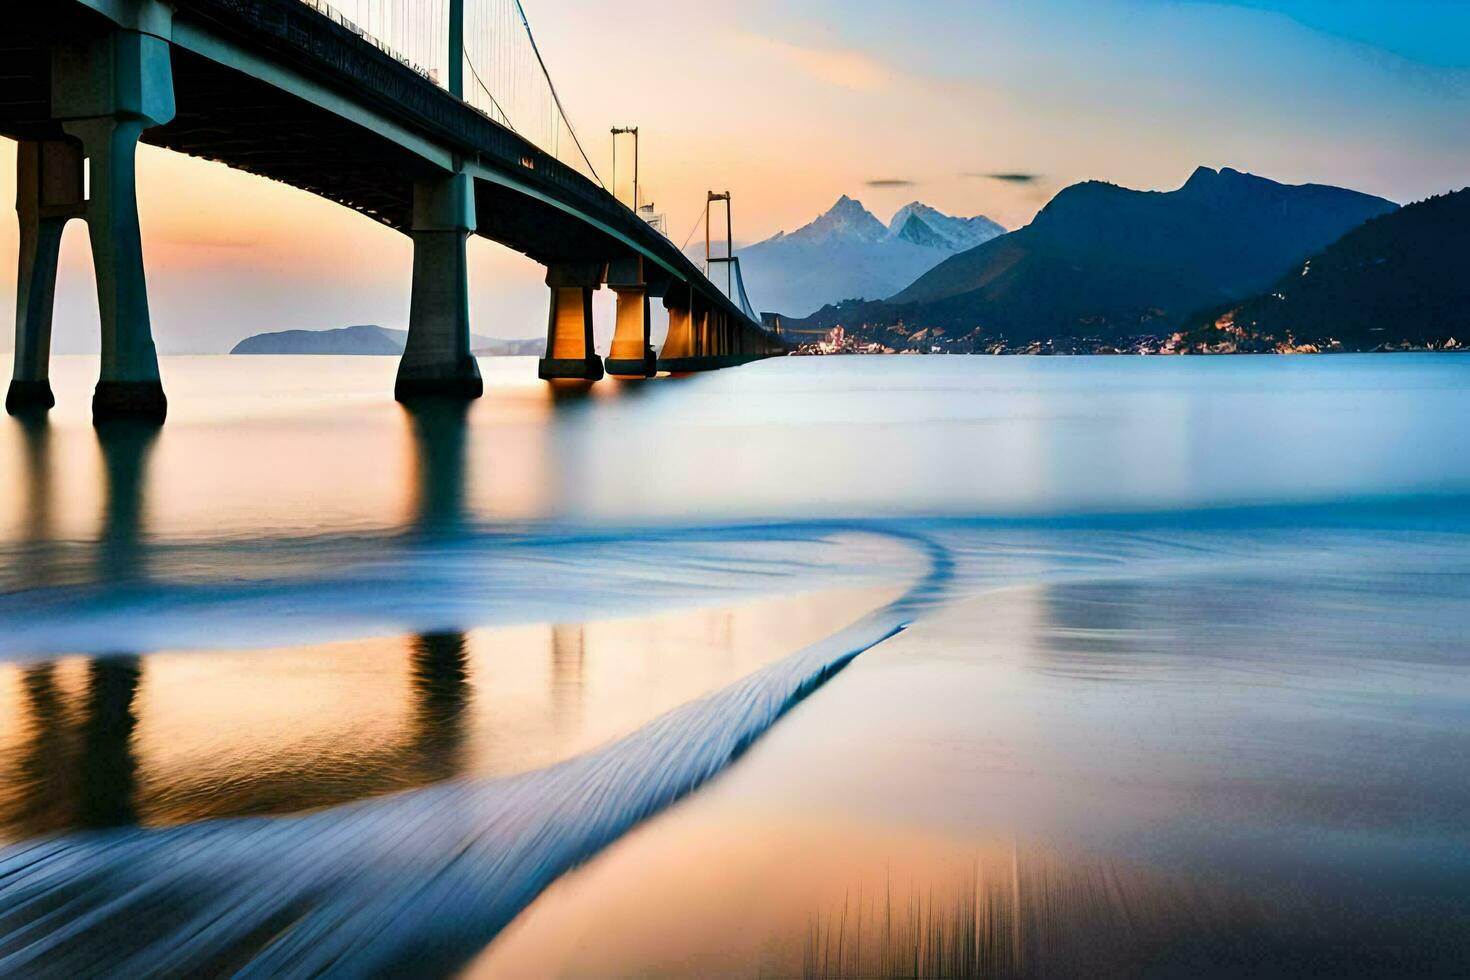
<point>1066,665</point>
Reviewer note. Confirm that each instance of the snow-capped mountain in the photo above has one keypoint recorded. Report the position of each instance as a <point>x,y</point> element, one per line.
<point>848,253</point>
<point>846,221</point>
<point>923,225</point>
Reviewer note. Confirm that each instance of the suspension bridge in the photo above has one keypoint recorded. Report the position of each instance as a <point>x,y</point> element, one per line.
<point>437,118</point>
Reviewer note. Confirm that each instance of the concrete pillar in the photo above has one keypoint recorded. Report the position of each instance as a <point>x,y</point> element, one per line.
<point>702,315</point>
<point>129,386</point>
<point>680,341</point>
<point>679,345</point>
<point>437,360</point>
<point>570,351</point>
<point>106,91</point>
<point>48,192</point>
<point>631,355</point>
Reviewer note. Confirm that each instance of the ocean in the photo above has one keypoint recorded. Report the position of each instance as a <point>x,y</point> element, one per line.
<point>839,667</point>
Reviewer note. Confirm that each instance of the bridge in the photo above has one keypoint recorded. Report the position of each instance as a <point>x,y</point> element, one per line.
<point>295,91</point>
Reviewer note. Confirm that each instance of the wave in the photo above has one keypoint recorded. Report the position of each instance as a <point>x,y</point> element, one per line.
<point>220,594</point>
<point>422,880</point>
<point>426,879</point>
<point>265,593</point>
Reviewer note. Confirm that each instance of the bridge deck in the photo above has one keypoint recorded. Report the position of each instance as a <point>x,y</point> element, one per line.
<point>275,88</point>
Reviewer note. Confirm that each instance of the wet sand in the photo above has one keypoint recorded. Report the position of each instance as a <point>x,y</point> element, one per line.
<point>1216,776</point>
<point>173,737</point>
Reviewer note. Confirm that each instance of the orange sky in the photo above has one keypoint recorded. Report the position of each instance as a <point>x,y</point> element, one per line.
<point>790,104</point>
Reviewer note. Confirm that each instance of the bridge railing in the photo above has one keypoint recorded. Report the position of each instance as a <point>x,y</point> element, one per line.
<point>503,73</point>
<point>328,10</point>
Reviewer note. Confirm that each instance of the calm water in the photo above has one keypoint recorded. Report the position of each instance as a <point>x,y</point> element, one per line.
<point>1147,665</point>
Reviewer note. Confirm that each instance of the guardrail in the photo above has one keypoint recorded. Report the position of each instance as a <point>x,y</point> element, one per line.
<point>327,10</point>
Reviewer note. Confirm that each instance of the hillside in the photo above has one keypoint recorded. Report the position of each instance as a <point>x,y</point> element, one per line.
<point>1399,281</point>
<point>1106,261</point>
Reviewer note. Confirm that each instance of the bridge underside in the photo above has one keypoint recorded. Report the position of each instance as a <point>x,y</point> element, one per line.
<point>378,155</point>
<point>229,117</point>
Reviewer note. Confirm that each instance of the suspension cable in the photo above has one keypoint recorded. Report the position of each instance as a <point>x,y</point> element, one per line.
<point>699,221</point>
<point>554,97</point>
<point>484,88</point>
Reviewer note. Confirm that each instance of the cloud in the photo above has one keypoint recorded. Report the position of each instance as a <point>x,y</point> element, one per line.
<point>845,69</point>
<point>890,182</point>
<point>1009,178</point>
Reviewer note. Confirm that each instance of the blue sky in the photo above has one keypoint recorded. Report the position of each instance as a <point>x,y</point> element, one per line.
<point>1430,32</point>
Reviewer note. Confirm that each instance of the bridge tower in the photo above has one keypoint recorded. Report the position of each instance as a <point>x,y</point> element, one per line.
<point>456,48</point>
<point>105,91</point>
<point>701,335</point>
<point>726,261</point>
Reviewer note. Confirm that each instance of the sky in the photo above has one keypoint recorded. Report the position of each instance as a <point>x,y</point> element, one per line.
<point>972,106</point>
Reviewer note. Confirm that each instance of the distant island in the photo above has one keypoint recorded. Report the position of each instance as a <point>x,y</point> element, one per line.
<point>369,339</point>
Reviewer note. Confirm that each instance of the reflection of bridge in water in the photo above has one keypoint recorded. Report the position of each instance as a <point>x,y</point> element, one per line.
<point>292,91</point>
<point>76,761</point>
<point>119,734</point>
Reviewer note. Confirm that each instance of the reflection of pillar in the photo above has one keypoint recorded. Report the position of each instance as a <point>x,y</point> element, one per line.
<point>439,435</point>
<point>36,560</point>
<point>125,447</point>
<point>80,774</point>
<point>46,773</point>
<point>570,350</point>
<point>441,695</point>
<point>568,658</point>
<point>437,360</point>
<point>108,770</point>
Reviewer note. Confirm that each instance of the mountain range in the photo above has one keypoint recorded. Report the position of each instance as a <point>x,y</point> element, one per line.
<point>1398,281</point>
<point>1109,262</point>
<point>367,339</point>
<point>848,253</point>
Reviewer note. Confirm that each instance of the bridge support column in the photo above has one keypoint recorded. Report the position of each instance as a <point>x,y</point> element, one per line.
<point>437,360</point>
<point>570,350</point>
<point>129,385</point>
<point>679,343</point>
<point>702,330</point>
<point>106,91</point>
<point>631,355</point>
<point>49,192</point>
